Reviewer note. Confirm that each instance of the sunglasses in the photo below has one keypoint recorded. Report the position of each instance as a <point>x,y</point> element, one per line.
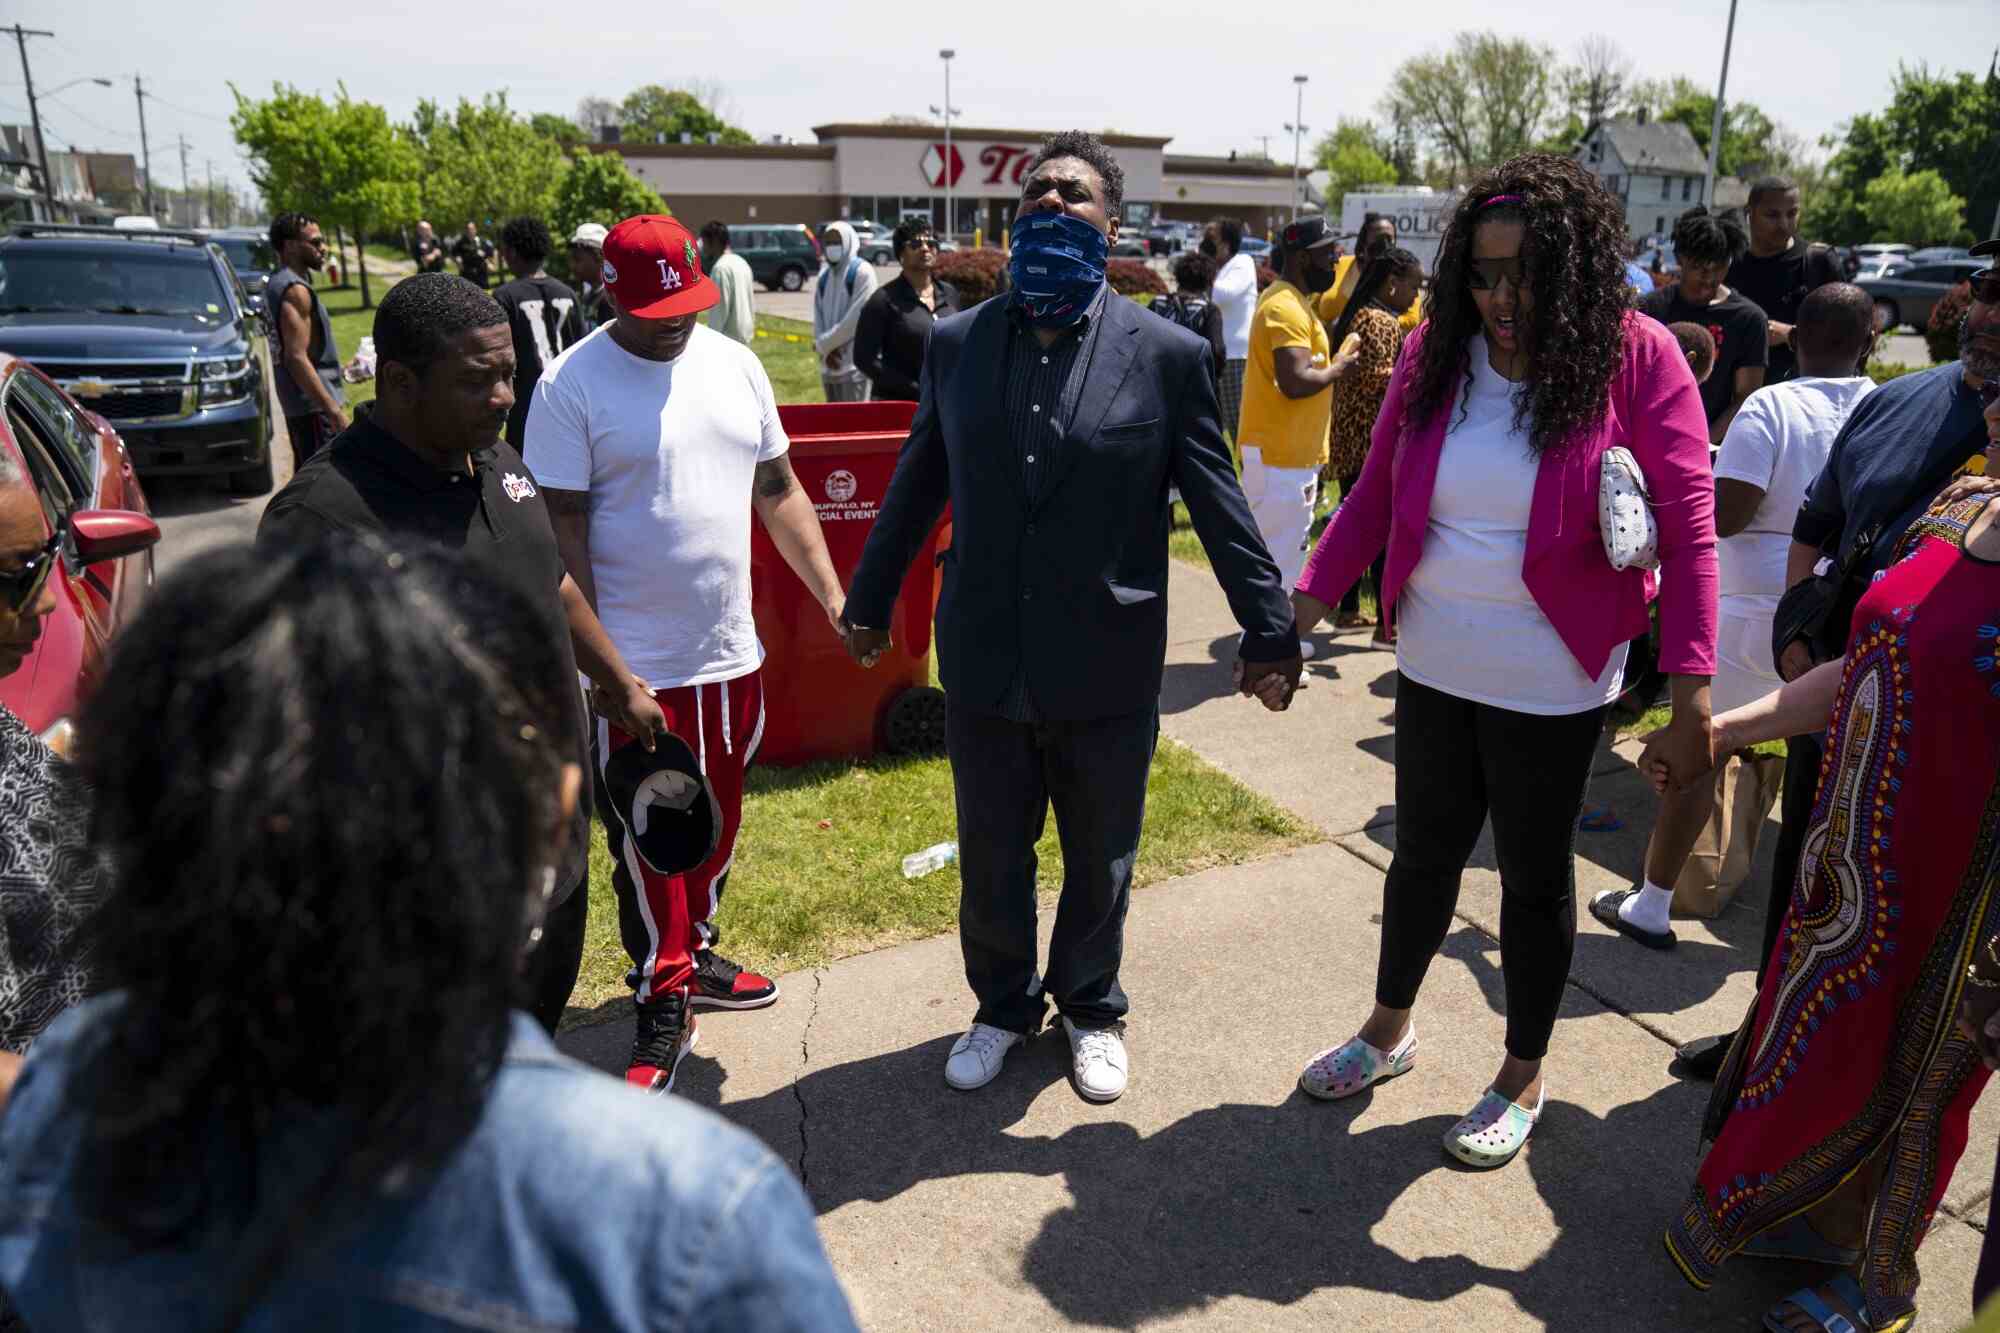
<point>927,242</point>
<point>20,587</point>
<point>1486,275</point>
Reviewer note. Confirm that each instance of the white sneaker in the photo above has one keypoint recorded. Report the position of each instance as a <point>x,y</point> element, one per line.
<point>1306,649</point>
<point>976,1057</point>
<point>1097,1057</point>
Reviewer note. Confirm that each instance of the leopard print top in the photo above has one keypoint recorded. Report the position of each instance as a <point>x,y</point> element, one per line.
<point>1357,400</point>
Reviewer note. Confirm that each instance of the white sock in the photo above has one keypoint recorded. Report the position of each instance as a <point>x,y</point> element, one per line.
<point>1647,909</point>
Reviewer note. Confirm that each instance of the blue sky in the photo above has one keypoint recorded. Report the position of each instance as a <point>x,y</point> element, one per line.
<point>1195,71</point>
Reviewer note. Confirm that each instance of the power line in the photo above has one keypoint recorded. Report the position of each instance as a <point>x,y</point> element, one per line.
<point>99,126</point>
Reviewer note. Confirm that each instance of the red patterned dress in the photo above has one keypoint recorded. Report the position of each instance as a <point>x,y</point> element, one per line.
<point>1849,1060</point>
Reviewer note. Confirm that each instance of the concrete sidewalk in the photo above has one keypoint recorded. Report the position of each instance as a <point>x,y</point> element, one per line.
<point>1214,1194</point>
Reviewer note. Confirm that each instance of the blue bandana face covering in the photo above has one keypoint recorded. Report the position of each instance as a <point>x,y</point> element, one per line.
<point>1056,266</point>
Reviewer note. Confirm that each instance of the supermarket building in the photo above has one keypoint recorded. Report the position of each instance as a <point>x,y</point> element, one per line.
<point>884,173</point>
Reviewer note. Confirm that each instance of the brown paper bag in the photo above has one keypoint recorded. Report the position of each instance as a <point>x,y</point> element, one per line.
<point>1746,787</point>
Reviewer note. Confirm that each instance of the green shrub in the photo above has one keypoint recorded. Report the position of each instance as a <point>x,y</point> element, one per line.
<point>976,273</point>
<point>1941,334</point>
<point>1129,277</point>
<point>1884,371</point>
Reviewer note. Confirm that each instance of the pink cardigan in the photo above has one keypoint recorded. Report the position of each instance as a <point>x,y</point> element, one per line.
<point>1655,411</point>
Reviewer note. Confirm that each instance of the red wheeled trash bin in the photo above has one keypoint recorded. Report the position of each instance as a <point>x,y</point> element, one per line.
<point>818,704</point>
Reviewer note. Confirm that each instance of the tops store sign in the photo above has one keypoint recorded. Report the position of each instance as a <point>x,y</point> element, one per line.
<point>1003,165</point>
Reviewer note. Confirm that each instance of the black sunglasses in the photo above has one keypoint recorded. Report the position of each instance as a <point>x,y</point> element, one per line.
<point>20,587</point>
<point>1485,275</point>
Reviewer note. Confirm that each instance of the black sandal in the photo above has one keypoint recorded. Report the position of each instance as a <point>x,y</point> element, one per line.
<point>1605,908</point>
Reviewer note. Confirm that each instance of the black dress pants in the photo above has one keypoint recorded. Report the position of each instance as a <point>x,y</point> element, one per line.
<point>1457,762</point>
<point>1006,776</point>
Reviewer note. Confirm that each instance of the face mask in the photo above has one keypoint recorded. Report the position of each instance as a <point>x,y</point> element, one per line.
<point>1319,280</point>
<point>1057,266</point>
<point>835,253</point>
<point>1208,247</point>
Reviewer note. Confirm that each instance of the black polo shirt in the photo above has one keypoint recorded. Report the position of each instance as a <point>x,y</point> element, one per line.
<point>368,481</point>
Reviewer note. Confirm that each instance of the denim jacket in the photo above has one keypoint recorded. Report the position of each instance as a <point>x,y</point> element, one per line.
<point>575,1204</point>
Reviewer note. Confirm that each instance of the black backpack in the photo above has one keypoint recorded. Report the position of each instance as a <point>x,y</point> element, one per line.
<point>1190,312</point>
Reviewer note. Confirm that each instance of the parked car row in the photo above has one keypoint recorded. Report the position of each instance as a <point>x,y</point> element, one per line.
<point>1907,292</point>
<point>153,331</point>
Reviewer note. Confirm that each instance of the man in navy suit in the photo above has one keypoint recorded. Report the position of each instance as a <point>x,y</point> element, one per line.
<point>1054,420</point>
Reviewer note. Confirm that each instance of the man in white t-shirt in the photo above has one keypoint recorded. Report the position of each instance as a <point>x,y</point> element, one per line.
<point>1776,444</point>
<point>653,439</point>
<point>1235,295</point>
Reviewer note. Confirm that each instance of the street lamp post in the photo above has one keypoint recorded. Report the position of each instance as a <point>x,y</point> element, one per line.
<point>1715,125</point>
<point>950,216</point>
<point>35,116</point>
<point>1298,129</point>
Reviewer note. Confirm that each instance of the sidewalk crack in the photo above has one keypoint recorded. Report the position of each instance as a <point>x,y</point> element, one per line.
<point>798,1092</point>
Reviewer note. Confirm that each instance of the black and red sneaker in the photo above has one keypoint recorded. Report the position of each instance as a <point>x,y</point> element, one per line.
<point>721,984</point>
<point>662,1039</point>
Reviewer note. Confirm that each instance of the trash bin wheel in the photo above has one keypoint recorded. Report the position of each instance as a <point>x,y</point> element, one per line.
<point>915,722</point>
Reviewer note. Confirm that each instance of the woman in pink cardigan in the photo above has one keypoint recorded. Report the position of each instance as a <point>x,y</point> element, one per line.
<point>1482,481</point>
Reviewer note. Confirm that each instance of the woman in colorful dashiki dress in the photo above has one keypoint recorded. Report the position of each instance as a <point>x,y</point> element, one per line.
<point>1842,1107</point>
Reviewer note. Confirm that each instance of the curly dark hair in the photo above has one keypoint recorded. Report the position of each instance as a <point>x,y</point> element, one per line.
<point>1574,255</point>
<point>1703,237</point>
<point>289,227</point>
<point>326,804</point>
<point>529,239</point>
<point>1194,271</point>
<point>1088,149</point>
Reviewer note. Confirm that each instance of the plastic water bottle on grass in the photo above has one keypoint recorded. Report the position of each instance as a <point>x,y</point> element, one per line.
<point>918,864</point>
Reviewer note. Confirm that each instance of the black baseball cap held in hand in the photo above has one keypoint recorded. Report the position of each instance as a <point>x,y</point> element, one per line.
<point>670,814</point>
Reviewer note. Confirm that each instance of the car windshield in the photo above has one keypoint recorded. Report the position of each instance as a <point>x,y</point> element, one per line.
<point>248,252</point>
<point>131,280</point>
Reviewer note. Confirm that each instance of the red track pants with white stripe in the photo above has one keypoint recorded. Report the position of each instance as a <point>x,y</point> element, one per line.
<point>723,723</point>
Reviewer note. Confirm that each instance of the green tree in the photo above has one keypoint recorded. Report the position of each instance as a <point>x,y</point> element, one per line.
<point>482,163</point>
<point>1949,123</point>
<point>1481,101</point>
<point>560,129</point>
<point>1752,143</point>
<point>1354,154</point>
<point>1916,207</point>
<point>600,188</point>
<point>342,160</point>
<point>658,112</point>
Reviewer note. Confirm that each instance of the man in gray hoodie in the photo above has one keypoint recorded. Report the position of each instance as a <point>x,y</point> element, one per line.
<point>846,281</point>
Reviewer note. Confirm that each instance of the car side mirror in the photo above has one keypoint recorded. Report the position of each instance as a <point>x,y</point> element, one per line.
<point>111,534</point>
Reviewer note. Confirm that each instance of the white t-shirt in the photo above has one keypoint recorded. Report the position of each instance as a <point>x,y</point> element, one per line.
<point>1235,295</point>
<point>668,451</point>
<point>1466,623</point>
<point>1778,442</point>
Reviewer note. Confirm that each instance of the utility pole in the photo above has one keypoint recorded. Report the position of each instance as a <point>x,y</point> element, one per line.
<point>145,149</point>
<point>214,210</point>
<point>1715,126</point>
<point>1267,144</point>
<point>187,200</point>
<point>1298,129</point>
<point>21,36</point>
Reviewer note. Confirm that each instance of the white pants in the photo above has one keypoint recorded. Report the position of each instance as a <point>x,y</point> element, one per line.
<point>1744,671</point>
<point>1281,499</point>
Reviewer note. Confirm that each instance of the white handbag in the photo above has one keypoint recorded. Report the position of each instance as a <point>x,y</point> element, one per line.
<point>1625,513</point>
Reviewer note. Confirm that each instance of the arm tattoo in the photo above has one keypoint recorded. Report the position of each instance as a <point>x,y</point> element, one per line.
<point>775,479</point>
<point>566,503</point>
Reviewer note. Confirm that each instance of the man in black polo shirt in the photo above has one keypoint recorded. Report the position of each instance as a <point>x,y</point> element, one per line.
<point>429,462</point>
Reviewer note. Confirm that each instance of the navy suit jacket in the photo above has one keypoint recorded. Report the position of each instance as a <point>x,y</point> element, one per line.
<point>1072,588</point>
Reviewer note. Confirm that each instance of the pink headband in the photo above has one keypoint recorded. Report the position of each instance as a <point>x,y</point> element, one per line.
<point>1500,199</point>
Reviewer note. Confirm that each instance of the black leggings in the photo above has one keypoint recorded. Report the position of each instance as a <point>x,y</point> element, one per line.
<point>1456,763</point>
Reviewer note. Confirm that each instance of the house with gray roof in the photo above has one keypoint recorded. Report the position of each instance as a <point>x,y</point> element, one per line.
<point>1653,166</point>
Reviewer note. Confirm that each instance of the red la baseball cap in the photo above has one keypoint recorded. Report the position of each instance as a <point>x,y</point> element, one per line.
<point>651,264</point>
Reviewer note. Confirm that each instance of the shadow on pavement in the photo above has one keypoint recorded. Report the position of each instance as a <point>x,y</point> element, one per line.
<point>1271,1202</point>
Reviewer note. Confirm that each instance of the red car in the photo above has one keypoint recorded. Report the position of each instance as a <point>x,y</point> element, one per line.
<point>91,496</point>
